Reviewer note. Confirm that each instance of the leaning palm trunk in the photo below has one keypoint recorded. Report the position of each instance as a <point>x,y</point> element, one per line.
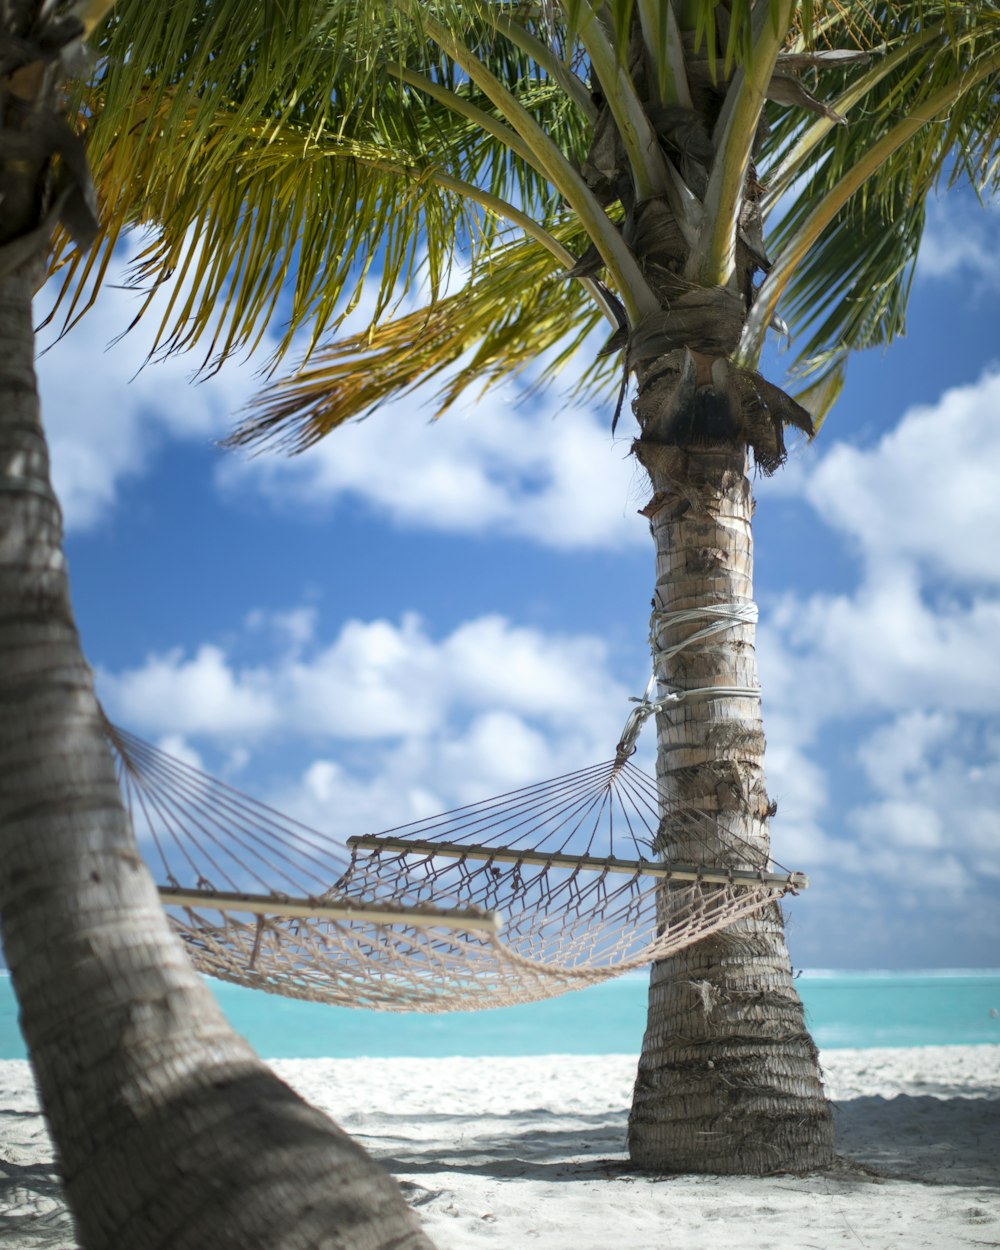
<point>728,1078</point>
<point>170,1132</point>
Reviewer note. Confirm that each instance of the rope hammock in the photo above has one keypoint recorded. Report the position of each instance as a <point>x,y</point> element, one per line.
<point>521,897</point>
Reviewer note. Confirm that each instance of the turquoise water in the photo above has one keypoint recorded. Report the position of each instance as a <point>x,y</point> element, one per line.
<point>859,1009</point>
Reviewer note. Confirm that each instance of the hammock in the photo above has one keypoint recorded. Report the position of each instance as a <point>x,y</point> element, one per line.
<point>521,897</point>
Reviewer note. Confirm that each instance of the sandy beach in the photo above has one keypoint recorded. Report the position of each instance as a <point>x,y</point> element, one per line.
<point>514,1152</point>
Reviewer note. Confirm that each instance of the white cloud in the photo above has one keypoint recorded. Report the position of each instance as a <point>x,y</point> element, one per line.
<point>395,724</point>
<point>884,647</point>
<point>177,746</point>
<point>292,629</point>
<point>906,660</point>
<point>900,822</point>
<point>545,470</point>
<point>926,492</point>
<point>492,753</point>
<point>377,680</point>
<point>328,796</point>
<point>106,414</point>
<point>548,472</point>
<point>919,629</point>
<point>896,755</point>
<point>202,695</point>
<point>800,788</point>
<point>961,239</point>
<point>109,403</point>
<point>939,774</point>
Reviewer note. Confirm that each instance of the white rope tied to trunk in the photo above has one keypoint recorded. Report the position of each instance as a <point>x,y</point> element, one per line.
<point>721,616</point>
<point>647,707</point>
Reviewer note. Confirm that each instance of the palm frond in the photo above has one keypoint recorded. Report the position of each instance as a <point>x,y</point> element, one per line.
<point>509,315</point>
<point>851,291</point>
<point>712,259</point>
<point>848,233</point>
<point>237,153</point>
<point>827,377</point>
<point>292,160</point>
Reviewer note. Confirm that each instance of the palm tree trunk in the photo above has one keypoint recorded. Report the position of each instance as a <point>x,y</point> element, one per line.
<point>728,1078</point>
<point>170,1132</point>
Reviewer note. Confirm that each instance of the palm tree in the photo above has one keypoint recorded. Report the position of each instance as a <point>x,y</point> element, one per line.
<point>170,1131</point>
<point>579,162</point>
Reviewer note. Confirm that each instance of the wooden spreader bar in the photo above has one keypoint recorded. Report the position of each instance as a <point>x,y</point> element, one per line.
<point>310,909</point>
<point>591,863</point>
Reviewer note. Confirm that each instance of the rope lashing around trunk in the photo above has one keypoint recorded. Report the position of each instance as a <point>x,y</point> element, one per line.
<point>410,919</point>
<point>721,616</point>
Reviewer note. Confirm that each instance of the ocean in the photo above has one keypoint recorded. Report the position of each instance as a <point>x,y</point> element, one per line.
<point>844,1009</point>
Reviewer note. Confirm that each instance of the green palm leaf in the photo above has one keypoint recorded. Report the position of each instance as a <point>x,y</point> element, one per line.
<point>849,288</point>
<point>331,150</point>
<point>261,185</point>
<point>459,340</point>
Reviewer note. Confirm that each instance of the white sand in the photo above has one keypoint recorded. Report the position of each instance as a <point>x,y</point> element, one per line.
<point>514,1152</point>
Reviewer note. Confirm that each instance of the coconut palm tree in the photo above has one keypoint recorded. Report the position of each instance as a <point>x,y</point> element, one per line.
<point>170,1131</point>
<point>675,168</point>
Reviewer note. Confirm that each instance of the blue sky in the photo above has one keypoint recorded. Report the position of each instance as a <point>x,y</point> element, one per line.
<point>414,615</point>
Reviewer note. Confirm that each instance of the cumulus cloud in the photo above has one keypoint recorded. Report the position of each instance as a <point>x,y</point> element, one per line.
<point>545,470</point>
<point>961,240</point>
<point>414,778</point>
<point>938,778</point>
<point>925,493</point>
<point>177,745</point>
<point>484,708</point>
<point>883,647</point>
<point>107,411</point>
<point>800,787</point>
<point>200,694</point>
<point>905,662</point>
<point>919,629</point>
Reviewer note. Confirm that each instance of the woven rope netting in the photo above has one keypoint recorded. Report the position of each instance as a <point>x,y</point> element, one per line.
<point>521,897</point>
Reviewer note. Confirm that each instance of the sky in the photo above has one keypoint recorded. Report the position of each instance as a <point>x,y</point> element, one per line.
<point>418,614</point>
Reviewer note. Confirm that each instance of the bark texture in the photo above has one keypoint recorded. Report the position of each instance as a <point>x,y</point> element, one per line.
<point>170,1133</point>
<point>728,1079</point>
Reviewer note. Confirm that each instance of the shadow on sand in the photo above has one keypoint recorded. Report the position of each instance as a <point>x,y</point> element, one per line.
<point>944,1141</point>
<point>930,1140</point>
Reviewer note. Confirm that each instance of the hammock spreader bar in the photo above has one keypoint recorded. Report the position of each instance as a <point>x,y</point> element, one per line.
<point>791,881</point>
<point>312,909</point>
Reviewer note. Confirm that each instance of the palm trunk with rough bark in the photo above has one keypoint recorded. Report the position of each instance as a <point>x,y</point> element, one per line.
<point>728,1078</point>
<point>170,1132</point>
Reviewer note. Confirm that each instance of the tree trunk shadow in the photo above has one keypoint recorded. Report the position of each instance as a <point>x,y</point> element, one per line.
<point>943,1141</point>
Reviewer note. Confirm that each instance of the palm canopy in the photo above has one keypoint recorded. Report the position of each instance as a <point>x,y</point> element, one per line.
<point>537,166</point>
